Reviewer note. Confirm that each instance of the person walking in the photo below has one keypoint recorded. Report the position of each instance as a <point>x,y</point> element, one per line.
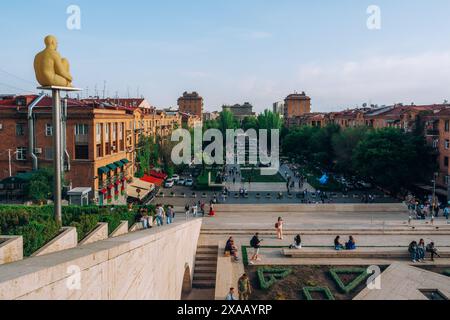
<point>279,228</point>
<point>255,243</point>
<point>169,215</point>
<point>446,212</point>
<point>187,209</point>
<point>244,287</point>
<point>160,215</point>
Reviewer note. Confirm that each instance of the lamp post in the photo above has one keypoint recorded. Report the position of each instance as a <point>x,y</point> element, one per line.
<point>436,175</point>
<point>57,147</point>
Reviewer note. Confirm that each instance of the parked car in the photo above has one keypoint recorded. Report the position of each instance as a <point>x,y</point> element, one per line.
<point>181,182</point>
<point>169,183</point>
<point>189,183</point>
<point>364,185</point>
<point>175,178</point>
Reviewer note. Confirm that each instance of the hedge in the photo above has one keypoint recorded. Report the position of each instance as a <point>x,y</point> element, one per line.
<point>325,290</point>
<point>447,272</point>
<point>37,225</point>
<point>275,274</point>
<point>363,275</point>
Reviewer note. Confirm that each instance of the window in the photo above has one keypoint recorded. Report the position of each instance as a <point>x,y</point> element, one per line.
<point>446,161</point>
<point>107,132</point>
<point>447,144</point>
<point>48,130</point>
<point>81,129</point>
<point>98,132</point>
<point>21,153</point>
<point>81,152</point>
<point>48,153</point>
<point>20,129</point>
<point>446,180</point>
<point>447,125</point>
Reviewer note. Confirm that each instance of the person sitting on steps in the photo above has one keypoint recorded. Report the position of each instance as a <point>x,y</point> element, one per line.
<point>297,243</point>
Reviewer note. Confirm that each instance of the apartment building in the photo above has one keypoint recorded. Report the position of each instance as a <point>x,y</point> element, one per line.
<point>296,105</point>
<point>191,103</point>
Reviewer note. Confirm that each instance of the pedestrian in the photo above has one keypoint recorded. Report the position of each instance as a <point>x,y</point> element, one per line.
<point>421,251</point>
<point>279,228</point>
<point>446,212</point>
<point>432,250</point>
<point>413,248</point>
<point>230,295</point>
<point>186,210</point>
<point>255,243</point>
<point>244,287</point>
<point>169,215</point>
<point>160,215</point>
<point>337,244</point>
<point>194,210</point>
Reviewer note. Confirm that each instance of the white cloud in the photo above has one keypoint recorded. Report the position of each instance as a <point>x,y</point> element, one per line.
<point>421,78</point>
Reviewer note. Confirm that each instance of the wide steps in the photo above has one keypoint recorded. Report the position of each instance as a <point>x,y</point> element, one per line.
<point>205,276</point>
<point>204,284</point>
<point>362,253</point>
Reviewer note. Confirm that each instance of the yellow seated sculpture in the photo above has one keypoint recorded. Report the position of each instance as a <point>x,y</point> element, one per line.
<point>50,68</point>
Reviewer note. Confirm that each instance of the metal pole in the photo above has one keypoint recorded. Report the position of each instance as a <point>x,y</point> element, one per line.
<point>9,159</point>
<point>57,189</point>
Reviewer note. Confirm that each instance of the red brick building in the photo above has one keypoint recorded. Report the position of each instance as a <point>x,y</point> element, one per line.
<point>191,103</point>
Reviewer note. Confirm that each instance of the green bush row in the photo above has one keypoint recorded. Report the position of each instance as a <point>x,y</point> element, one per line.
<point>37,225</point>
<point>363,275</point>
<point>325,290</point>
<point>275,274</point>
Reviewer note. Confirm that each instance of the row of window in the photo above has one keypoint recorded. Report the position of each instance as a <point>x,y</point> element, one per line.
<point>80,129</point>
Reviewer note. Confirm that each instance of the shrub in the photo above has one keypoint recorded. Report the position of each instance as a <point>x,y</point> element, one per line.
<point>37,225</point>
<point>274,274</point>
<point>363,275</point>
<point>325,290</point>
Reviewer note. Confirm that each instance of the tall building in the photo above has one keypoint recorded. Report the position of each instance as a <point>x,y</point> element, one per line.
<point>191,103</point>
<point>296,105</point>
<point>99,137</point>
<point>240,111</point>
<point>278,107</point>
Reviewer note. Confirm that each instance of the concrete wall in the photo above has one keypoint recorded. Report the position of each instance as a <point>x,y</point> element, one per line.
<point>68,239</point>
<point>147,265</point>
<point>98,234</point>
<point>11,249</point>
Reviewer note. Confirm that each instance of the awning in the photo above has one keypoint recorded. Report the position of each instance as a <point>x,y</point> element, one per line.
<point>103,170</point>
<point>112,166</point>
<point>119,164</point>
<point>125,161</point>
<point>139,189</point>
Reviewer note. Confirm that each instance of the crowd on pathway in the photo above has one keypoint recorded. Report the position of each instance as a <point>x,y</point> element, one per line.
<point>421,210</point>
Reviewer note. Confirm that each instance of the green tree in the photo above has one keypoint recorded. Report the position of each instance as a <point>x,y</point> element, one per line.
<point>393,159</point>
<point>269,120</point>
<point>344,142</point>
<point>40,187</point>
<point>227,121</point>
<point>250,123</point>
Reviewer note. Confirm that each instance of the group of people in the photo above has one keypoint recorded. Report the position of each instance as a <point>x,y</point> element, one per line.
<point>426,209</point>
<point>244,289</point>
<point>418,251</point>
<point>199,208</point>
<point>160,216</point>
<point>349,245</point>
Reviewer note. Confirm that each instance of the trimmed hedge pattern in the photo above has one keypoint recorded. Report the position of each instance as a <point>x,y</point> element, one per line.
<point>37,225</point>
<point>274,274</point>
<point>447,272</point>
<point>363,275</point>
<point>325,290</point>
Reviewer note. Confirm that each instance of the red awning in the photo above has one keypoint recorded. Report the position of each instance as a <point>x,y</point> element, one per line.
<point>155,181</point>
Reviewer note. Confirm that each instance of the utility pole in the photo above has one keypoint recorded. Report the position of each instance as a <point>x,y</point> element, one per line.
<point>9,159</point>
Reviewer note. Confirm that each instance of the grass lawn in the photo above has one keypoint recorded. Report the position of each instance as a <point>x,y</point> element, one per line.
<point>256,177</point>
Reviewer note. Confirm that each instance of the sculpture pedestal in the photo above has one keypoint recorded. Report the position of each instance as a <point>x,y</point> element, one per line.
<point>57,146</point>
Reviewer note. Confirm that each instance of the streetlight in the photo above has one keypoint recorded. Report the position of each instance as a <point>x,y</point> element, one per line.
<point>436,175</point>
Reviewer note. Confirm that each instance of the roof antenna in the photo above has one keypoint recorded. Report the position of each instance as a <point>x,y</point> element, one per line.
<point>104,88</point>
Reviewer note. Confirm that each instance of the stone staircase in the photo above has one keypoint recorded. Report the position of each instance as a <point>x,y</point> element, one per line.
<point>205,268</point>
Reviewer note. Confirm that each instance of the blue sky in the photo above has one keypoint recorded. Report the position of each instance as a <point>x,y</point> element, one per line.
<point>233,51</point>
